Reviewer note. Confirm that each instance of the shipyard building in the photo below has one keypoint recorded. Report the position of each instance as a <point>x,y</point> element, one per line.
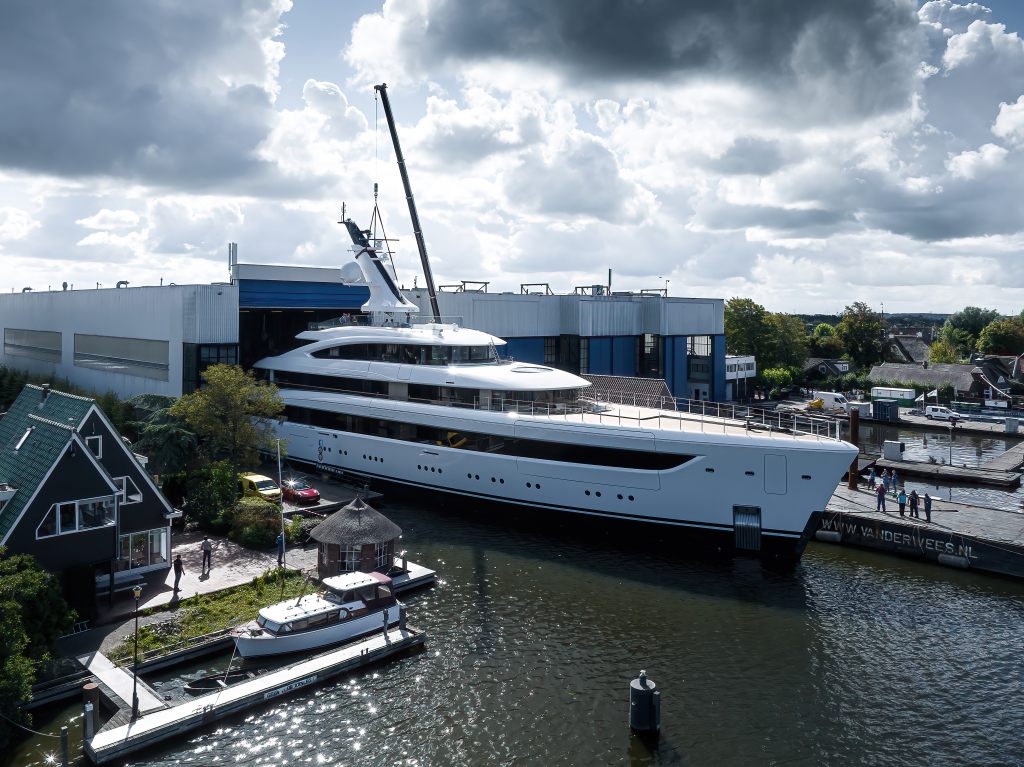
<point>159,339</point>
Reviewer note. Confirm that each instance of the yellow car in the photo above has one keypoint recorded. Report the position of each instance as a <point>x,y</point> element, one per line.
<point>257,485</point>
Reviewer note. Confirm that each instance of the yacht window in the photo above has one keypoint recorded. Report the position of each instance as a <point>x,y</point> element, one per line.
<point>383,592</point>
<point>315,621</point>
<point>298,625</point>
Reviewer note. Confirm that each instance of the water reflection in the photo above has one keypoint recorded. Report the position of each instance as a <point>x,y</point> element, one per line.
<point>537,627</point>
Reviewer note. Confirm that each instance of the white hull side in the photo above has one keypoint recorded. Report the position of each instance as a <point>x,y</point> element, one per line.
<point>266,644</point>
<point>688,495</point>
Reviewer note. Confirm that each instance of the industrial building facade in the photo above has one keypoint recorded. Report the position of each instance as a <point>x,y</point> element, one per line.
<point>159,339</point>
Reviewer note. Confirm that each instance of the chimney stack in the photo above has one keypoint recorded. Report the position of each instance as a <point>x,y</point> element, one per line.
<point>45,393</point>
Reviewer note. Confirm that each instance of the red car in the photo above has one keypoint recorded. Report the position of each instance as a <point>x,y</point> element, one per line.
<point>300,491</point>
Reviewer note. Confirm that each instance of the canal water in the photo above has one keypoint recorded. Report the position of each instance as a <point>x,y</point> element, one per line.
<point>942,447</point>
<point>536,628</point>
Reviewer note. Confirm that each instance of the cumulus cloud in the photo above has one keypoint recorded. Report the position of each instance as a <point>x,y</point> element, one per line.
<point>969,164</point>
<point>167,93</point>
<point>836,56</point>
<point>1009,124</point>
<point>110,219</point>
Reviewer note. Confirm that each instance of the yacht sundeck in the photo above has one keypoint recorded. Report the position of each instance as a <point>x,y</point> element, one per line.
<point>348,606</point>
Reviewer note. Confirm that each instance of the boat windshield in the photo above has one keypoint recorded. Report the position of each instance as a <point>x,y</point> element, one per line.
<point>272,626</point>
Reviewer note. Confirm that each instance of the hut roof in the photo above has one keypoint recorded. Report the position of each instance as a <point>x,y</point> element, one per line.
<point>355,525</point>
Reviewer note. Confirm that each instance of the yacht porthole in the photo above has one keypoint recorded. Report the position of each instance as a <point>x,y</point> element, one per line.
<point>587,492</point>
<point>538,485</point>
<point>476,476</point>
<point>749,473</point>
<point>493,479</point>
<point>501,481</point>
<point>598,493</point>
<point>805,476</point>
<point>469,476</point>
<point>709,470</point>
<point>528,484</point>
<point>418,466</point>
<point>631,498</point>
<point>620,496</point>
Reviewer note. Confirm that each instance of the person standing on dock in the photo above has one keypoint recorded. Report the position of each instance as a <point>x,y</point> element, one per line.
<point>927,508</point>
<point>885,479</point>
<point>207,554</point>
<point>913,505</point>
<point>895,483</point>
<point>179,568</point>
<point>872,479</point>
<point>280,549</point>
<point>880,494</point>
<point>901,499</point>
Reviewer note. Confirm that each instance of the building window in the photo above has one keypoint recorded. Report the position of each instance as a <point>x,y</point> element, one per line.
<point>95,445</point>
<point>127,491</point>
<point>142,549</point>
<point>584,355</point>
<point>550,351</point>
<point>699,346</point>
<point>75,516</point>
<point>35,344</point>
<point>351,558</point>
<point>383,559</point>
<point>140,357</point>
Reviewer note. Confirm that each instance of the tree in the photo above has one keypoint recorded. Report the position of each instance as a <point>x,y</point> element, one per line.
<point>959,342</point>
<point>746,328</point>
<point>827,347</point>
<point>167,440</point>
<point>943,352</point>
<point>823,330</point>
<point>1002,337</point>
<point>777,378</point>
<point>971,320</point>
<point>228,414</point>
<point>209,492</point>
<point>860,330</point>
<point>787,344</point>
<point>32,615</point>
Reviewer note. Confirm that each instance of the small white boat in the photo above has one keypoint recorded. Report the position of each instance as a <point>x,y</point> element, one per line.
<point>347,606</point>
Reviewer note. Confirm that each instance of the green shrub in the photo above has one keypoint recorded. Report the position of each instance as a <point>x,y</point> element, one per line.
<point>255,523</point>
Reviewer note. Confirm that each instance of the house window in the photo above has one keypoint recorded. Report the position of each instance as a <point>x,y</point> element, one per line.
<point>142,549</point>
<point>127,491</point>
<point>74,516</point>
<point>699,346</point>
<point>383,560</point>
<point>126,356</point>
<point>351,558</point>
<point>95,444</point>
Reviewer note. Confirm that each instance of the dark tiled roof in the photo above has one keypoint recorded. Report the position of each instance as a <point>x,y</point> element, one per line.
<point>52,422</point>
<point>935,375</point>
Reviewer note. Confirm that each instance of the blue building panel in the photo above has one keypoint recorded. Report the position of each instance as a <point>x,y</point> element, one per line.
<point>674,355</point>
<point>599,361</point>
<point>285,294</point>
<point>718,368</point>
<point>624,355</point>
<point>525,349</point>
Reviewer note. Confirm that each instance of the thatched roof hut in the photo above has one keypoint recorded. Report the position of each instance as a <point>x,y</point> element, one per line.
<point>356,537</point>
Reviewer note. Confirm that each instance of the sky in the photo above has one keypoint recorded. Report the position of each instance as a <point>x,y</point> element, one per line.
<point>806,154</point>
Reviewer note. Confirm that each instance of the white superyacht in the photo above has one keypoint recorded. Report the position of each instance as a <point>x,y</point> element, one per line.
<point>434,405</point>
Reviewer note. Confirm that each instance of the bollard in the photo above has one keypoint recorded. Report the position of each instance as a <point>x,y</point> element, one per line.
<point>387,639</point>
<point>401,618</point>
<point>91,694</point>
<point>644,706</point>
<point>64,751</point>
<point>87,723</point>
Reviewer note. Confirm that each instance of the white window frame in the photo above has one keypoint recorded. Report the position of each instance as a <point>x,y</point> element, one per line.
<point>351,555</point>
<point>55,508</point>
<point>382,555</point>
<point>98,450</point>
<point>129,496</point>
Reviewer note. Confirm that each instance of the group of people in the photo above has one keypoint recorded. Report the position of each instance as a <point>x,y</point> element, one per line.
<point>881,487</point>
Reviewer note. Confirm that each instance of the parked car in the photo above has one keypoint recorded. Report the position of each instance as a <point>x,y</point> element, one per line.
<point>259,486</point>
<point>300,491</point>
<point>941,413</point>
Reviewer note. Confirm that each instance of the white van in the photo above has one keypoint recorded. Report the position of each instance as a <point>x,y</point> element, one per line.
<point>832,400</point>
<point>941,413</point>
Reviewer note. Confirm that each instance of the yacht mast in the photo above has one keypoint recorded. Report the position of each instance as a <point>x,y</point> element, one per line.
<point>420,244</point>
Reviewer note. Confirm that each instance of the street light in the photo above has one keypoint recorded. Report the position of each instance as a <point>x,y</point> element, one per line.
<point>280,484</point>
<point>137,592</point>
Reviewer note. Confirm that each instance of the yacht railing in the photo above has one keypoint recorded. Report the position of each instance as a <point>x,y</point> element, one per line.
<point>396,320</point>
<point>642,412</point>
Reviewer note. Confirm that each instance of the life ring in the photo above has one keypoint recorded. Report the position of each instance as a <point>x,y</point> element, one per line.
<point>343,613</point>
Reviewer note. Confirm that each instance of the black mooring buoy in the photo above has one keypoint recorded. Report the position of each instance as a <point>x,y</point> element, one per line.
<point>644,706</point>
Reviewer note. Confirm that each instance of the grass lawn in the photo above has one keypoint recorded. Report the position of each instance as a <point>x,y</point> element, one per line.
<point>206,613</point>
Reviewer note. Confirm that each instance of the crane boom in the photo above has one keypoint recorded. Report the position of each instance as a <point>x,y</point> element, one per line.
<point>416,229</point>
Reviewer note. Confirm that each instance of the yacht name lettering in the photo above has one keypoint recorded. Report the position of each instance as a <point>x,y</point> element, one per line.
<point>306,680</point>
<point>860,530</point>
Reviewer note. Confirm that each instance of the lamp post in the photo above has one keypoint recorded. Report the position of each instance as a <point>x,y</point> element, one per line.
<point>137,592</point>
<point>280,500</point>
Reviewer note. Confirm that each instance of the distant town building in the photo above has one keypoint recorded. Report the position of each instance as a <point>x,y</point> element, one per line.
<point>818,368</point>
<point>984,378</point>
<point>740,372</point>
<point>906,348</point>
<point>76,497</point>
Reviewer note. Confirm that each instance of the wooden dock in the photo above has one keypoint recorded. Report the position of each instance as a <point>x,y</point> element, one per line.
<point>1011,460</point>
<point>414,576</point>
<point>941,472</point>
<point>959,535</point>
<point>117,742</point>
